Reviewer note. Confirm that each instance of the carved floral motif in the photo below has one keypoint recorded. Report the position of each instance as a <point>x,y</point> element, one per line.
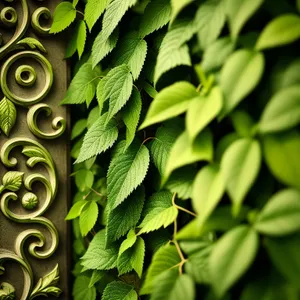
<point>16,49</point>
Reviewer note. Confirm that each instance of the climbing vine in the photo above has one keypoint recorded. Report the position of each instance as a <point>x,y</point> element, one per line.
<point>185,140</point>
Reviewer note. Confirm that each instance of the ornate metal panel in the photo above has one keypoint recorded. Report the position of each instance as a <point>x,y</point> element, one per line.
<point>33,154</point>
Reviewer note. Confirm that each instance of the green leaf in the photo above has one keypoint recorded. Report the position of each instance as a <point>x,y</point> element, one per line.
<point>125,216</point>
<point>178,6</point>
<point>217,53</point>
<point>282,157</point>
<point>117,88</point>
<point>240,166</point>
<point>78,128</point>
<point>173,51</point>
<point>282,111</point>
<point>113,15</point>
<point>96,277</point>
<point>239,12</point>
<point>156,15</point>
<point>242,123</point>
<point>159,212</point>
<point>281,214</point>
<point>181,182</point>
<point>202,110</point>
<point>84,81</point>
<point>131,116</point>
<point>81,289</point>
<point>12,180</point>
<point>209,21</point>
<point>81,38</point>
<point>284,253</point>
<point>99,138</point>
<point>84,179</point>
<point>161,146</point>
<point>88,217</point>
<point>118,290</point>
<point>170,102</point>
<point>32,43</point>
<point>282,30</point>
<point>103,46</point>
<point>239,76</point>
<point>98,256</point>
<point>76,209</point>
<point>64,15</point>
<point>172,286</point>
<point>165,258</point>
<point>132,52</point>
<point>128,242</point>
<point>93,10</point>
<point>131,257</point>
<point>8,115</point>
<point>208,190</point>
<point>126,172</point>
<point>183,153</point>
<point>232,255</point>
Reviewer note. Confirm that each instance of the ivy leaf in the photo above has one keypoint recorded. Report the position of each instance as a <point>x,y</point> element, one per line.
<point>280,148</point>
<point>118,290</point>
<point>96,277</point>
<point>202,110</point>
<point>172,286</point>
<point>173,51</point>
<point>132,52</point>
<point>217,53</point>
<point>78,128</point>
<point>97,257</point>
<point>83,82</point>
<point>84,179</point>
<point>159,212</point>
<point>161,146</point>
<point>93,10</point>
<point>76,209</point>
<point>208,190</point>
<point>281,214</point>
<point>284,253</point>
<point>232,255</point>
<point>12,181</point>
<point>117,88</point>
<point>183,153</point>
<point>209,21</point>
<point>239,76</point>
<point>32,43</point>
<point>131,116</point>
<point>242,123</point>
<point>81,38</point>
<point>178,6</point>
<point>64,15</point>
<point>282,111</point>
<point>98,139</point>
<point>113,15</point>
<point>165,258</point>
<point>8,115</point>
<point>282,30</point>
<point>156,15</point>
<point>239,12</point>
<point>88,217</point>
<point>240,166</point>
<point>103,46</point>
<point>125,216</point>
<point>170,102</point>
<point>126,172</point>
<point>81,289</point>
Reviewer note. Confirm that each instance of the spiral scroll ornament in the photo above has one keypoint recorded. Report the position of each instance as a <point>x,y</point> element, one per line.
<point>28,90</point>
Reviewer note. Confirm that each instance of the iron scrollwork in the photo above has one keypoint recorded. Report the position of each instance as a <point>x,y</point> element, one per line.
<point>18,48</point>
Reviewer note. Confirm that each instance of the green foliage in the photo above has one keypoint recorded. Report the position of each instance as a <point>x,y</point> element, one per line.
<point>185,140</point>
<point>8,115</point>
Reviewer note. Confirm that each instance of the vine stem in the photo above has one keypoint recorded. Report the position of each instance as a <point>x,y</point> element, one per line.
<point>97,193</point>
<point>182,208</point>
<point>148,139</point>
<point>79,12</point>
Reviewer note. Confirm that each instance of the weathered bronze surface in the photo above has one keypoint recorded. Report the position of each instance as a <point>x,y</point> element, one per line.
<point>34,183</point>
